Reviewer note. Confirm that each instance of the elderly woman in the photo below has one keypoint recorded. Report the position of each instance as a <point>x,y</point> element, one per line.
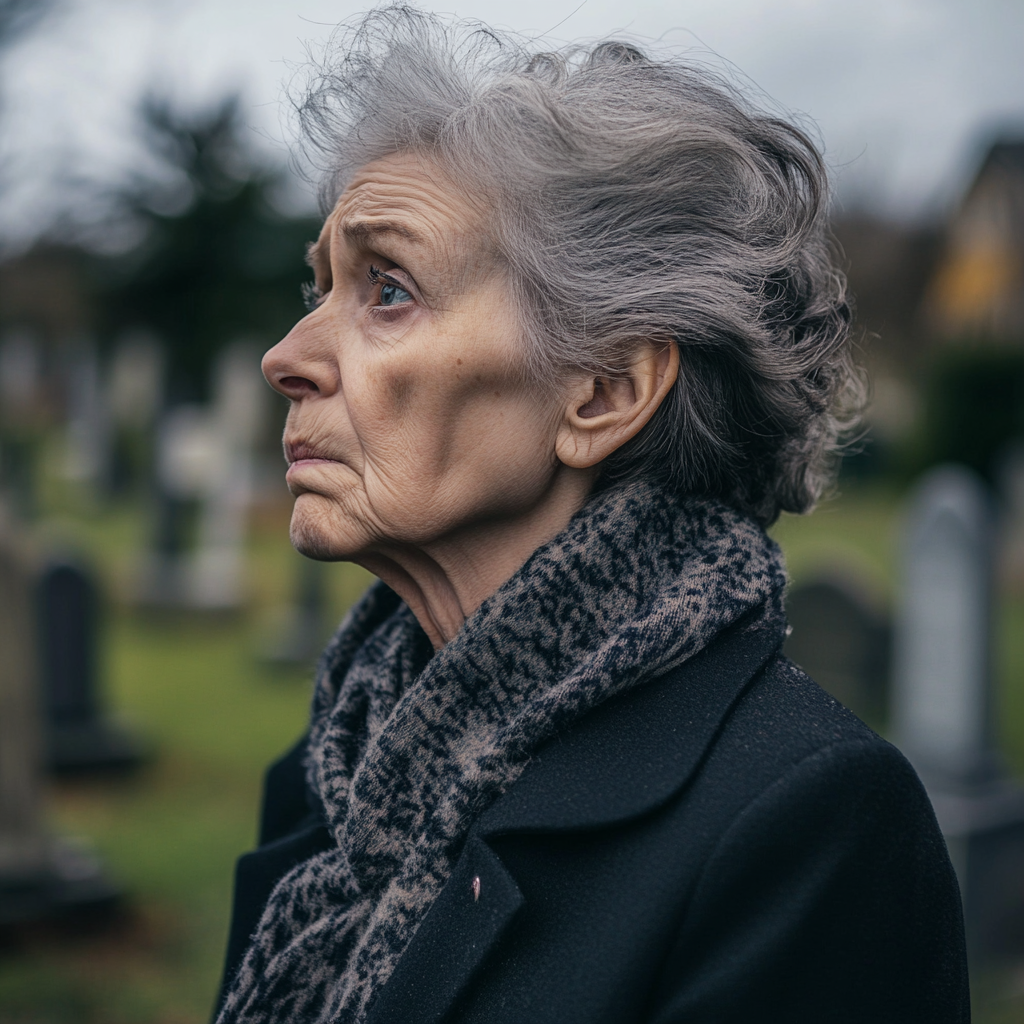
<point>576,338</point>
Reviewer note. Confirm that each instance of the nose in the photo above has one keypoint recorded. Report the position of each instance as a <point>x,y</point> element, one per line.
<point>303,363</point>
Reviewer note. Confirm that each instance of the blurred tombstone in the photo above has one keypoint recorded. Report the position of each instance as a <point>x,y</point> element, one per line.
<point>88,450</point>
<point>22,836</point>
<point>205,470</point>
<point>135,387</point>
<point>302,632</point>
<point>240,404</point>
<point>186,459</point>
<point>943,701</point>
<point>19,393</point>
<point>1010,475</point>
<point>944,692</point>
<point>19,369</point>
<point>81,738</point>
<point>40,875</point>
<point>842,642</point>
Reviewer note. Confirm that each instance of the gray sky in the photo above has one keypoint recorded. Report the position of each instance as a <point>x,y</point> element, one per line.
<point>902,91</point>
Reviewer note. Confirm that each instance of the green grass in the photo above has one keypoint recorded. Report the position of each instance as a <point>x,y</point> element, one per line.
<point>857,535</point>
<point>215,716</point>
<point>196,690</point>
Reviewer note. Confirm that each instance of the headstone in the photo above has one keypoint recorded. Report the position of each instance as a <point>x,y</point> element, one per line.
<point>841,641</point>
<point>944,701</point>
<point>943,706</point>
<point>80,736</point>
<point>20,376</point>
<point>205,471</point>
<point>187,460</point>
<point>87,456</point>
<point>40,875</point>
<point>238,415</point>
<point>135,387</point>
<point>1010,474</point>
<point>136,376</point>
<point>22,834</point>
<point>302,632</point>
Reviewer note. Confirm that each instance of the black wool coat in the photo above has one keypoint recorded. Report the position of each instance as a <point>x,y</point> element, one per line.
<point>725,845</point>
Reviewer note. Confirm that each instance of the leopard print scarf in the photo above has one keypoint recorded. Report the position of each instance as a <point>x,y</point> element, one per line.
<point>408,748</point>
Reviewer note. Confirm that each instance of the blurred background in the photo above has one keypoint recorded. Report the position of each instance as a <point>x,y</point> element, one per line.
<point>157,631</point>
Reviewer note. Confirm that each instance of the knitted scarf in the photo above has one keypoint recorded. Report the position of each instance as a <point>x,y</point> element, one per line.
<point>407,747</point>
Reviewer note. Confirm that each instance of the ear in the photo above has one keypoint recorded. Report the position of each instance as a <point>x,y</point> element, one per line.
<point>603,413</point>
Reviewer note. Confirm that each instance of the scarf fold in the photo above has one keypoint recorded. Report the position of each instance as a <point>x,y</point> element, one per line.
<point>407,747</point>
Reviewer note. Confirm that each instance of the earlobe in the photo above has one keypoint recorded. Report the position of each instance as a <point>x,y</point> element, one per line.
<point>604,412</point>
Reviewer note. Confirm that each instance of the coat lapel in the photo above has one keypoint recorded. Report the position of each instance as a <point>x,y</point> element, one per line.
<point>465,921</point>
<point>635,751</point>
<point>624,759</point>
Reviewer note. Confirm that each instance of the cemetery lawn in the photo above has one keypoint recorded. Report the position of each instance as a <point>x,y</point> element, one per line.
<point>215,716</point>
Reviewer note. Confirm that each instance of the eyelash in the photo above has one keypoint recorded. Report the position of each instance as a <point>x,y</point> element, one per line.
<point>376,275</point>
<point>312,295</point>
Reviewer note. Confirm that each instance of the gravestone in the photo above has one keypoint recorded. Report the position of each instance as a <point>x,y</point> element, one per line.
<point>943,707</point>
<point>1010,476</point>
<point>134,389</point>
<point>80,736</point>
<point>842,642</point>
<point>87,456</point>
<point>240,404</point>
<point>41,875</point>
<point>205,473</point>
<point>302,633</point>
<point>20,376</point>
<point>185,461</point>
<point>944,701</point>
<point>22,835</point>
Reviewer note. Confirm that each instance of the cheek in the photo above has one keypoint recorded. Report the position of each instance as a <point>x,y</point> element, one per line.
<point>409,407</point>
<point>396,388</point>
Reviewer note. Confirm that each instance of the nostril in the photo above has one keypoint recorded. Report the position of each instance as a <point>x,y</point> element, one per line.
<point>295,387</point>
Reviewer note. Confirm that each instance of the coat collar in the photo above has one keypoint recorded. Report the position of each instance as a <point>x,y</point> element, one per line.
<point>634,751</point>
<point>624,759</point>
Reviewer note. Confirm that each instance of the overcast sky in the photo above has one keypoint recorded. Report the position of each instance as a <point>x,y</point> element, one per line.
<point>903,92</point>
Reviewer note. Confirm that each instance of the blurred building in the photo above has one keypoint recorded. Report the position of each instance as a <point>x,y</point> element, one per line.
<point>977,290</point>
<point>889,265</point>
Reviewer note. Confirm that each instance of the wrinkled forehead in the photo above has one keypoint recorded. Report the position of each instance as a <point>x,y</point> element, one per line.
<point>405,206</point>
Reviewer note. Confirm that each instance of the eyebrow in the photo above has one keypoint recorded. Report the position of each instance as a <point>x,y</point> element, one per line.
<point>367,230</point>
<point>318,253</point>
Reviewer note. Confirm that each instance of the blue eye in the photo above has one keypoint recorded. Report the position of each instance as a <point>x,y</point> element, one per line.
<point>392,295</point>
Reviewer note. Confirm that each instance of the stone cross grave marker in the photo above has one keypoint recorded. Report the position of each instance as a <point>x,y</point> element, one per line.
<point>205,465</point>
<point>240,403</point>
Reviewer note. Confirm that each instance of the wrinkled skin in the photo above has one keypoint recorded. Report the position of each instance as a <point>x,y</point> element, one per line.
<point>417,445</point>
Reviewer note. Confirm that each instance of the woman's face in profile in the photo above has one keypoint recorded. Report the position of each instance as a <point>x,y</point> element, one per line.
<point>411,419</point>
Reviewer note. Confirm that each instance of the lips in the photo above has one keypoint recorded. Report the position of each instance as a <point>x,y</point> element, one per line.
<point>303,452</point>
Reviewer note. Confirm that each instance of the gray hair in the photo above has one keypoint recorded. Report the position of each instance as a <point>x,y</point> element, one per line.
<point>634,198</point>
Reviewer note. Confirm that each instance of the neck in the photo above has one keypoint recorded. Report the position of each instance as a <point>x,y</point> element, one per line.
<point>444,581</point>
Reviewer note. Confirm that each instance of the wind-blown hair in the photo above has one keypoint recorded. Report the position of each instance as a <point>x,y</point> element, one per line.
<point>633,198</point>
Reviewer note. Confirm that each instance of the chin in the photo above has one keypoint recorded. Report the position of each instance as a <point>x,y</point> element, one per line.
<point>315,532</point>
